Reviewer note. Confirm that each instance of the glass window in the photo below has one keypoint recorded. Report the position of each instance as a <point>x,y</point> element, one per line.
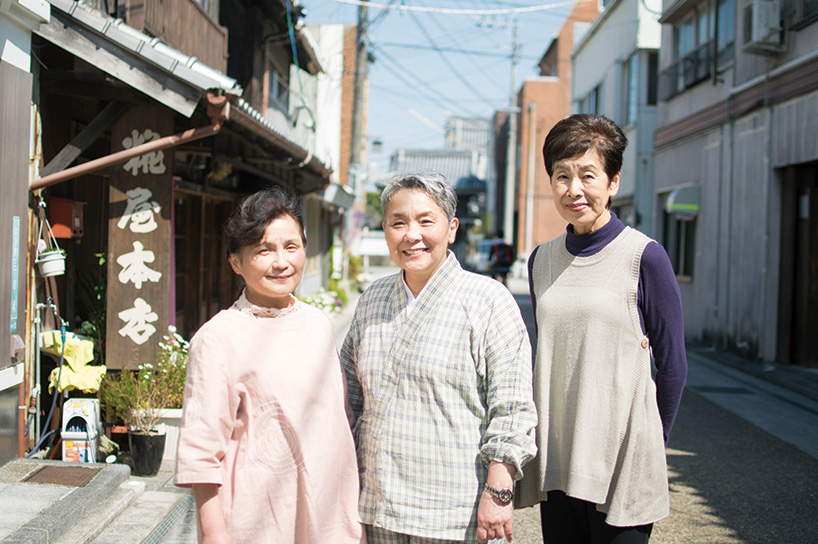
<point>680,243</point>
<point>590,104</point>
<point>684,38</point>
<point>653,78</point>
<point>593,101</point>
<point>810,9</point>
<point>278,94</point>
<point>726,32</point>
<point>704,30</point>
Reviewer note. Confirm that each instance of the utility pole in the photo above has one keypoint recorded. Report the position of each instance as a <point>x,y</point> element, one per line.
<point>361,71</point>
<point>529,184</point>
<point>511,151</point>
<point>356,173</point>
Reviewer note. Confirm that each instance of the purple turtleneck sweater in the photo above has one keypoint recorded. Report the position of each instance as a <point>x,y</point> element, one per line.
<point>660,312</point>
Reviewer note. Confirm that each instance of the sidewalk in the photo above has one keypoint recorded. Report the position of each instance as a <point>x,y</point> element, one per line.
<point>803,381</point>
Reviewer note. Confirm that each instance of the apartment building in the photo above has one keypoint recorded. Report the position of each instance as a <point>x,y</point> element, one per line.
<point>736,168</point>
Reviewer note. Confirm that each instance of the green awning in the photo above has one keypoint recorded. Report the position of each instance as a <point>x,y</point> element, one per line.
<point>683,201</point>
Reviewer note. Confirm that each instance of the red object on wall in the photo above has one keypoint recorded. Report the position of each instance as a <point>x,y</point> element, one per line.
<point>65,217</point>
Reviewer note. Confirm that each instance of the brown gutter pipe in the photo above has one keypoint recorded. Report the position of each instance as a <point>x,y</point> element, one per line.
<point>22,414</point>
<point>218,109</point>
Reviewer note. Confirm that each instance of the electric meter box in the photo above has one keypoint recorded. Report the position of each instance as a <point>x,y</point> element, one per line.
<point>80,430</point>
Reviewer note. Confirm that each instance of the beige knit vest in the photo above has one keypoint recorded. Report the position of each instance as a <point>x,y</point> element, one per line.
<point>599,434</point>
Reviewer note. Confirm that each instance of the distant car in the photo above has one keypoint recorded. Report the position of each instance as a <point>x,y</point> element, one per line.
<point>480,260</point>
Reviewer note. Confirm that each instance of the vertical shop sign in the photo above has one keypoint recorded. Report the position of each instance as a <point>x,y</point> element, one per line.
<point>139,241</point>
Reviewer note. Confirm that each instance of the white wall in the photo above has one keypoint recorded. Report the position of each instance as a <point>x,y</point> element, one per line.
<point>330,41</point>
<point>15,45</point>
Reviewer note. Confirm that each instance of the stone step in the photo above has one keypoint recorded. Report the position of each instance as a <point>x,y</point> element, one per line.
<point>145,520</point>
<point>95,521</point>
<point>41,500</point>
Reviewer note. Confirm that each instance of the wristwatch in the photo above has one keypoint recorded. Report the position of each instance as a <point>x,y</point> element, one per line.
<point>503,496</point>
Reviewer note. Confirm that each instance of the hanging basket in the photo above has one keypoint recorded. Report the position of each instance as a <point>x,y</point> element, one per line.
<point>50,258</point>
<point>51,263</point>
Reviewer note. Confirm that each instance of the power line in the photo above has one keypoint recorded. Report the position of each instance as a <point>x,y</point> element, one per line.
<point>455,50</point>
<point>380,17</point>
<point>451,11</point>
<point>446,60</point>
<point>417,84</point>
<point>469,55</point>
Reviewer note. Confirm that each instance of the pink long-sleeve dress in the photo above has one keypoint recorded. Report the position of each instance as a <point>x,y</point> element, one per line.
<point>265,417</point>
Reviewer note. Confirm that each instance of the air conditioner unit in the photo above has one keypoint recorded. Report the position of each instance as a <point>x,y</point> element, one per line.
<point>762,27</point>
<point>28,14</point>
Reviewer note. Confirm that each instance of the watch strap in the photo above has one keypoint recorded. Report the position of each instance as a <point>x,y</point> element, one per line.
<point>503,496</point>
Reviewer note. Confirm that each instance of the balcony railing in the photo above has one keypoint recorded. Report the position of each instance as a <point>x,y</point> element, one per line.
<point>687,71</point>
<point>184,25</point>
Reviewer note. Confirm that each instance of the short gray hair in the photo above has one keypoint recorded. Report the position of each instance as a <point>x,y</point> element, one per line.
<point>430,182</point>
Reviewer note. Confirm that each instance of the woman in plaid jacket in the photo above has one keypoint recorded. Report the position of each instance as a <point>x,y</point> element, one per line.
<point>438,367</point>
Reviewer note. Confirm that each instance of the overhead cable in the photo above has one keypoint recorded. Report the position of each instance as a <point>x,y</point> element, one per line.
<point>427,90</point>
<point>454,50</point>
<point>480,66</point>
<point>451,66</point>
<point>452,11</point>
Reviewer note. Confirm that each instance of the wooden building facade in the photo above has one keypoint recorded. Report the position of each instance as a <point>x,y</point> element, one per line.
<point>150,120</point>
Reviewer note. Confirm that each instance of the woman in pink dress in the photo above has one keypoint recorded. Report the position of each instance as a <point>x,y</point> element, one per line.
<point>265,440</point>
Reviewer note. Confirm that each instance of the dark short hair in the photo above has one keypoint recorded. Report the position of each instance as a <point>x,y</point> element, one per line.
<point>577,134</point>
<point>249,219</point>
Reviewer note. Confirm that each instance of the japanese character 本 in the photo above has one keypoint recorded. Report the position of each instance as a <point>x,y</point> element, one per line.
<point>150,163</point>
<point>138,321</point>
<point>140,211</point>
<point>134,266</point>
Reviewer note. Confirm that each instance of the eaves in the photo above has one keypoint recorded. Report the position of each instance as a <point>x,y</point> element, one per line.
<point>133,57</point>
<point>161,72</point>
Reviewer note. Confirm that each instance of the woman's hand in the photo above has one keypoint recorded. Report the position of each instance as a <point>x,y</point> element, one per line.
<point>210,515</point>
<point>494,520</point>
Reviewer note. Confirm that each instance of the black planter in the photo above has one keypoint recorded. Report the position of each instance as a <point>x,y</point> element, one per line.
<point>147,450</point>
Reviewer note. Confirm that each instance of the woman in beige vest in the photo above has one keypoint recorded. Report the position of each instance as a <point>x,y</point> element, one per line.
<point>605,296</point>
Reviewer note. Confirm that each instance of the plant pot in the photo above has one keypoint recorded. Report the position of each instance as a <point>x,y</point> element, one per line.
<point>172,418</point>
<point>51,263</point>
<point>146,450</point>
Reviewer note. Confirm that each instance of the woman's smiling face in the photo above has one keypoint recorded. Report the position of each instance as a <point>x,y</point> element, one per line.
<point>581,191</point>
<point>272,269</point>
<point>418,234</point>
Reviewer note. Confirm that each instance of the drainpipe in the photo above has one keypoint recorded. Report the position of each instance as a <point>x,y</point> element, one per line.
<point>529,200</point>
<point>218,109</point>
<point>22,414</point>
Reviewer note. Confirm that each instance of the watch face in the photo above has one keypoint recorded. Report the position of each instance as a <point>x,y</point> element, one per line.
<point>505,496</point>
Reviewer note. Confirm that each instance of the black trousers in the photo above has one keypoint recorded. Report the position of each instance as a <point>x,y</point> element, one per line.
<point>566,520</point>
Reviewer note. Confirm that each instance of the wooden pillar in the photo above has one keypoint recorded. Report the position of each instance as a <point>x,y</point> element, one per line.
<point>139,241</point>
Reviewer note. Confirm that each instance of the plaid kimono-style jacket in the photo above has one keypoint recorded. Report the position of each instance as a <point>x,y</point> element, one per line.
<point>438,394</point>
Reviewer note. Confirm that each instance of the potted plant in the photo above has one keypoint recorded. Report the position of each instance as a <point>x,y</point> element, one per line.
<point>141,397</point>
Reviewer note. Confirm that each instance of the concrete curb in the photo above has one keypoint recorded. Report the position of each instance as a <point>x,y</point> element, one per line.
<point>96,520</point>
<point>55,520</point>
<point>800,380</point>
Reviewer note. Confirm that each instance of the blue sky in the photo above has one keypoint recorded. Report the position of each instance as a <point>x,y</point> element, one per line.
<point>435,63</point>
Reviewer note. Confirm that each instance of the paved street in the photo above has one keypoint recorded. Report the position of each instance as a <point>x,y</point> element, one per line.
<point>743,461</point>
